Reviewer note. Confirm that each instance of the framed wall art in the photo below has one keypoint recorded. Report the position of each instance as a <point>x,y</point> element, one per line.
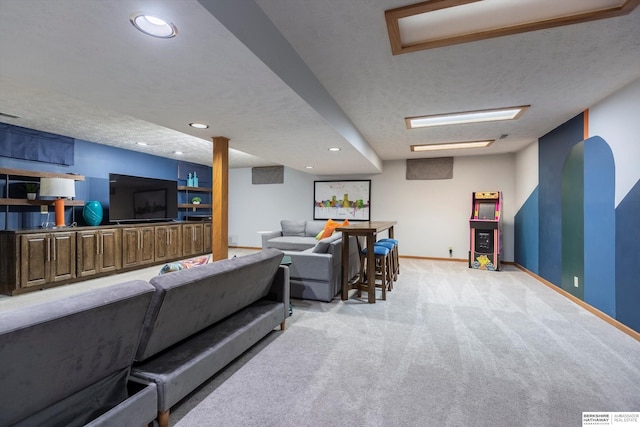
<point>342,200</point>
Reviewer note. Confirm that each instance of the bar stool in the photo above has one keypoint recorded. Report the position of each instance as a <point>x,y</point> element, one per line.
<point>381,256</point>
<point>391,269</point>
<point>395,254</point>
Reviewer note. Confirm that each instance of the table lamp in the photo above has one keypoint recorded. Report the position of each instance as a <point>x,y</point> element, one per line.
<point>60,188</point>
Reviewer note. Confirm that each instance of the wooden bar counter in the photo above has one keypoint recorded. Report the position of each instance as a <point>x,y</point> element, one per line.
<point>368,229</point>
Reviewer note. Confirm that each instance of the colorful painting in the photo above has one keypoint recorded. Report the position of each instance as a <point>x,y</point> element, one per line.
<point>342,200</point>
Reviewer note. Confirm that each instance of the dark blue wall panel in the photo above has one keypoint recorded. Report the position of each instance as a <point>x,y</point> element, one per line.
<point>628,259</point>
<point>553,149</point>
<point>526,249</point>
<point>21,143</point>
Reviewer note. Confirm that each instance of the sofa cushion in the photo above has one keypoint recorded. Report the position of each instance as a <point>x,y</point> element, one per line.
<point>188,301</point>
<point>186,365</point>
<point>70,347</point>
<point>314,227</point>
<point>292,243</point>
<point>323,245</point>
<point>292,228</point>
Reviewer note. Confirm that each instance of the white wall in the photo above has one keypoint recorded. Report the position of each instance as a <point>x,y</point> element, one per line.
<point>254,208</point>
<point>432,215</point>
<point>526,170</point>
<point>616,121</point>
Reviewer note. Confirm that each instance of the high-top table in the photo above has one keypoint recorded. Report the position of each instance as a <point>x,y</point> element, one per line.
<point>368,229</point>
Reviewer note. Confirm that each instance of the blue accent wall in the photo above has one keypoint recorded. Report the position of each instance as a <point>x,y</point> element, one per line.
<point>605,251</point>
<point>628,259</point>
<point>526,250</point>
<point>95,162</point>
<point>599,226</point>
<point>553,149</point>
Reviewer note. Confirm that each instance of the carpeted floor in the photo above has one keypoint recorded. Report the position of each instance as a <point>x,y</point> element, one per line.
<point>451,346</point>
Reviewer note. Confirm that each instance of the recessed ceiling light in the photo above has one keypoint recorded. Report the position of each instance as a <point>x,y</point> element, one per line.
<point>308,167</point>
<point>334,149</point>
<point>178,152</point>
<point>153,26</point>
<point>452,145</point>
<point>142,143</point>
<point>199,125</point>
<point>509,113</point>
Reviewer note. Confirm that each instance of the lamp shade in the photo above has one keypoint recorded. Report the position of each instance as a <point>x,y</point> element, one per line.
<point>57,187</point>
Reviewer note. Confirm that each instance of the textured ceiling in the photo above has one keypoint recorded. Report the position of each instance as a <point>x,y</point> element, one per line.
<point>79,68</point>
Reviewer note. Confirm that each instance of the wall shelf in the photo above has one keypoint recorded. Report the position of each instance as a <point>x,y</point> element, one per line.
<point>193,207</point>
<point>26,202</point>
<point>194,189</point>
<point>19,173</point>
<point>21,176</point>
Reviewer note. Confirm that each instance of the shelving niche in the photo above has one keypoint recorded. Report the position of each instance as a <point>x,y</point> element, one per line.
<point>13,177</point>
<point>193,206</point>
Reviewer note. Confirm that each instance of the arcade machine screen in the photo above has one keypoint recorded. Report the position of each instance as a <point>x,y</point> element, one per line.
<point>487,210</point>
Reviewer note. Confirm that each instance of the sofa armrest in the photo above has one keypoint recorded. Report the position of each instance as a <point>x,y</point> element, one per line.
<point>268,235</point>
<point>309,265</point>
<point>280,288</point>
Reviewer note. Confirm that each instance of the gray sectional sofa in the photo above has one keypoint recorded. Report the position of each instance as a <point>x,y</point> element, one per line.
<point>67,362</point>
<point>123,355</point>
<point>316,265</point>
<point>293,235</point>
<point>202,318</point>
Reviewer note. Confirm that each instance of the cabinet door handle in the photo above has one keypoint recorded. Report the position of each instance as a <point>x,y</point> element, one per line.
<point>48,248</point>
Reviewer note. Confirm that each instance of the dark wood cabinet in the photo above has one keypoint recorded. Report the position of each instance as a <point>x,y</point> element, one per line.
<point>207,238</point>
<point>137,246</point>
<point>33,259</point>
<point>168,242</point>
<point>98,251</point>
<point>192,239</point>
<point>47,258</point>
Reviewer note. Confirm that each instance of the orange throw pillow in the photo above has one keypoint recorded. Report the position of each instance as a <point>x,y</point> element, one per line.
<point>329,227</point>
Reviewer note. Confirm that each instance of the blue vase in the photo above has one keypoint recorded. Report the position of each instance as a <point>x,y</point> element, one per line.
<point>92,212</point>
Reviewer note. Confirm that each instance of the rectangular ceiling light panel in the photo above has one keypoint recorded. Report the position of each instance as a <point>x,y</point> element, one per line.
<point>452,145</point>
<point>438,23</point>
<point>509,113</point>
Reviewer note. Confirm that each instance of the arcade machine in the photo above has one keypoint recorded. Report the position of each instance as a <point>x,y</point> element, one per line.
<point>485,224</point>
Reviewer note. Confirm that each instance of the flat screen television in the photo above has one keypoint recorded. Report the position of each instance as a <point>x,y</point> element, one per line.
<point>140,199</point>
